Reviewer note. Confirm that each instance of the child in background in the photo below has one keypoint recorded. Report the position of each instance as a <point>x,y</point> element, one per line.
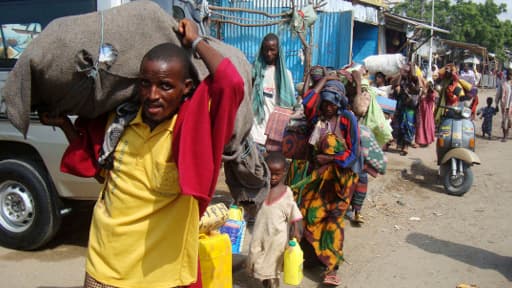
<point>487,113</point>
<point>278,220</point>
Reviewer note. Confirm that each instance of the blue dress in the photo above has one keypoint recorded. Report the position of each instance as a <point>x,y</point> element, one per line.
<point>487,114</point>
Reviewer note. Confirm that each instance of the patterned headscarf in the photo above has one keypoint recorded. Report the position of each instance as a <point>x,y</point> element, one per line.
<point>334,92</point>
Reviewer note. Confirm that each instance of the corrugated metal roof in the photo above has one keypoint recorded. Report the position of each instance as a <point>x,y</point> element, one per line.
<point>416,23</point>
<point>332,34</point>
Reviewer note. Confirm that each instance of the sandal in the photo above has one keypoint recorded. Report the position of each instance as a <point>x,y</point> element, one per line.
<point>358,218</point>
<point>332,279</point>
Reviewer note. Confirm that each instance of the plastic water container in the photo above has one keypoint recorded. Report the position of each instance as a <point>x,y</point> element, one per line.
<point>236,232</point>
<point>293,260</point>
<point>236,213</point>
<point>216,260</point>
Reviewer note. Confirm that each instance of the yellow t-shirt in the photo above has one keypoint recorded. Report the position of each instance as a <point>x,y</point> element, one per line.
<point>144,233</point>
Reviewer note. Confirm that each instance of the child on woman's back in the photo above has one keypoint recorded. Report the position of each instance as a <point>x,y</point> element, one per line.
<point>277,220</point>
<point>487,113</point>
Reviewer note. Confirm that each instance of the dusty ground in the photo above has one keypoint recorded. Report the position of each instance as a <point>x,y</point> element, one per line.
<point>451,240</point>
<point>456,239</point>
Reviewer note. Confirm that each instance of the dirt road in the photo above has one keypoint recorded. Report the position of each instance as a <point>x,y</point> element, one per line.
<point>415,235</point>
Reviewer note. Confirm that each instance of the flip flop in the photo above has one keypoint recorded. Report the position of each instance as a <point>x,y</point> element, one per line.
<point>332,280</point>
<point>358,218</point>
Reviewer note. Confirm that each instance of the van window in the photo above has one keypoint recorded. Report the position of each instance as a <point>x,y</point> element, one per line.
<point>22,20</point>
<point>16,37</point>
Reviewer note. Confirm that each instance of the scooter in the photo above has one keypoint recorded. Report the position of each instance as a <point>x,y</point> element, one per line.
<point>456,149</point>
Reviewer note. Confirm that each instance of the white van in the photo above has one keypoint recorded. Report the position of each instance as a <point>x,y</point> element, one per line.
<point>33,191</point>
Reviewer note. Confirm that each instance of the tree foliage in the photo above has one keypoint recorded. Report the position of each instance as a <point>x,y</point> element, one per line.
<point>470,22</point>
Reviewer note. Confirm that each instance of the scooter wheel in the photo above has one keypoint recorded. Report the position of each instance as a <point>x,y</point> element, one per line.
<point>457,185</point>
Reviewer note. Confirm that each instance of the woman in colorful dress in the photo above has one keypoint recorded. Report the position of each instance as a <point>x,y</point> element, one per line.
<point>406,91</point>
<point>324,196</point>
<point>450,90</point>
<point>425,126</point>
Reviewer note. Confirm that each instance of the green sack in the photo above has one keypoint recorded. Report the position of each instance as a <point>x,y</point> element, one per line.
<point>375,120</point>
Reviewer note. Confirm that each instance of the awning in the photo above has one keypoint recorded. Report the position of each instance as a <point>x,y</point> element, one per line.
<point>396,20</point>
<point>379,3</point>
<point>477,49</point>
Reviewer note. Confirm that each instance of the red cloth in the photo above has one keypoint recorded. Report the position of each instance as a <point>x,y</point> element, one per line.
<point>277,122</point>
<point>199,141</point>
<point>81,156</point>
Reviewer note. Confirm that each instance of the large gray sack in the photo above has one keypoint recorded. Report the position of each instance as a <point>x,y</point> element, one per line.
<point>57,71</point>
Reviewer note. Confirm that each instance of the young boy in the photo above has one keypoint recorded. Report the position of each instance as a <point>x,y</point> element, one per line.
<point>277,220</point>
<point>487,113</point>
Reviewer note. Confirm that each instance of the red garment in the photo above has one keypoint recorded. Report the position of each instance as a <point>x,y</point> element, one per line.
<point>425,125</point>
<point>81,156</point>
<point>198,141</point>
<point>202,138</point>
<point>277,122</point>
<point>452,97</point>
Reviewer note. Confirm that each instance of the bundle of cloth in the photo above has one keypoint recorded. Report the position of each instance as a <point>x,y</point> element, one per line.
<point>389,64</point>
<point>365,105</point>
<point>63,72</point>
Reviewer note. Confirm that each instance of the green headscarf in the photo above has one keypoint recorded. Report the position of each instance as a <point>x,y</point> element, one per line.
<point>286,97</point>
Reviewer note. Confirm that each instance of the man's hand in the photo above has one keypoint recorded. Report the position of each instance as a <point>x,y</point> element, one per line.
<point>63,122</point>
<point>188,29</point>
<point>58,121</point>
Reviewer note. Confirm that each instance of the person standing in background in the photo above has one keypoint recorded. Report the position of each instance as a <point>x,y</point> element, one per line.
<point>425,126</point>
<point>506,106</point>
<point>468,74</point>
<point>406,91</point>
<point>272,86</point>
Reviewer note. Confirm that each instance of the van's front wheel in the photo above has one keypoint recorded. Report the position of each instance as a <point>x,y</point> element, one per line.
<point>29,216</point>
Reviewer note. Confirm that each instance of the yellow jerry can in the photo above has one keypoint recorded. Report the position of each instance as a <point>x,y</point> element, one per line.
<point>465,85</point>
<point>236,213</point>
<point>215,259</point>
<point>293,259</point>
